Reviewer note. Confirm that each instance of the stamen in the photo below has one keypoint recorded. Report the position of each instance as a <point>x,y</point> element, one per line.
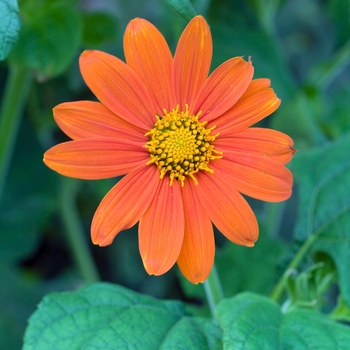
<point>180,145</point>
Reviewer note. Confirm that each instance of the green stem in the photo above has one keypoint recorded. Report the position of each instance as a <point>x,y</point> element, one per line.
<point>14,99</point>
<point>280,286</point>
<point>75,231</point>
<point>213,289</point>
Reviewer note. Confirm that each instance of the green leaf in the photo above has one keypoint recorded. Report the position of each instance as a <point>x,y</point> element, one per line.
<point>9,26</point>
<point>104,316</point>
<point>323,178</point>
<point>306,330</point>
<point>49,39</point>
<point>98,28</point>
<point>183,7</point>
<point>252,322</point>
<point>249,321</point>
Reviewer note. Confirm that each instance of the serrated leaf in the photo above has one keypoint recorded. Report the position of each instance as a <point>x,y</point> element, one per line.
<point>9,26</point>
<point>105,316</point>
<point>49,39</point>
<point>183,7</point>
<point>323,178</point>
<point>252,322</point>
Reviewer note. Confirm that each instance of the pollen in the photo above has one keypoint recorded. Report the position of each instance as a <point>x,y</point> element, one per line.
<point>180,145</point>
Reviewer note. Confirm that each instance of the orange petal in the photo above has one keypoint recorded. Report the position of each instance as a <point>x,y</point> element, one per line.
<point>223,88</point>
<point>256,176</point>
<point>148,54</point>
<point>98,158</point>
<point>118,87</point>
<point>161,229</point>
<point>124,204</point>
<point>88,119</point>
<point>191,61</point>
<point>259,141</point>
<point>257,102</point>
<point>226,208</point>
<point>198,248</point>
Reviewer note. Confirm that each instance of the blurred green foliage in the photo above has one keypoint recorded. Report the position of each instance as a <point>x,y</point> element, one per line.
<point>49,38</point>
<point>9,26</point>
<point>303,46</point>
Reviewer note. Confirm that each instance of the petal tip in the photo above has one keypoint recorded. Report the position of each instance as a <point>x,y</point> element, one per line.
<point>86,53</point>
<point>197,279</point>
<point>102,240</point>
<point>156,267</point>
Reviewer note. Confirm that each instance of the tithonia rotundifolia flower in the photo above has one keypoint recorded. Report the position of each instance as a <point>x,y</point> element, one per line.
<point>184,141</point>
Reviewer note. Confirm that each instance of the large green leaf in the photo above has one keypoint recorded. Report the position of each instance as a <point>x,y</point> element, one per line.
<point>323,178</point>
<point>9,26</point>
<point>104,316</point>
<point>254,322</point>
<point>49,38</point>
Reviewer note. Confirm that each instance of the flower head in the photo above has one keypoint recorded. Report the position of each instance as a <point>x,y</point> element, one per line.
<point>184,141</point>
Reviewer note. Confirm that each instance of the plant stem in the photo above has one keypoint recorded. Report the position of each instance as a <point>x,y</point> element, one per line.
<point>213,289</point>
<point>279,288</point>
<point>14,100</point>
<point>75,232</point>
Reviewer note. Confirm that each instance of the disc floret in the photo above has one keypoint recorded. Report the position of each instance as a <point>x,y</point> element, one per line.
<point>180,145</point>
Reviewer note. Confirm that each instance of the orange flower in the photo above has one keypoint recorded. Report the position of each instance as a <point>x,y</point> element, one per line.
<point>182,139</point>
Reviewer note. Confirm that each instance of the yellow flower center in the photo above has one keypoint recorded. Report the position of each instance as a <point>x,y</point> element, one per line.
<point>180,145</point>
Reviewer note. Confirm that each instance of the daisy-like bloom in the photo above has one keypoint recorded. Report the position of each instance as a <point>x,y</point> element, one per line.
<point>184,141</point>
